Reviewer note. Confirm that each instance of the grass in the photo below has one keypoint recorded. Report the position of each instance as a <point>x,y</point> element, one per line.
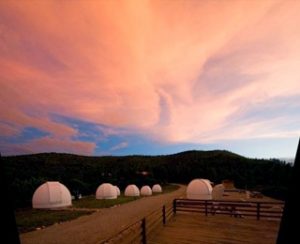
<point>169,188</point>
<point>31,219</point>
<point>92,202</point>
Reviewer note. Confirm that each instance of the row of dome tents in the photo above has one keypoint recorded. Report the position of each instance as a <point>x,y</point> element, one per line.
<point>53,194</point>
<point>108,191</point>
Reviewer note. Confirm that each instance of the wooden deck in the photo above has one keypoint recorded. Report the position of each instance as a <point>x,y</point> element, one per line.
<point>194,228</point>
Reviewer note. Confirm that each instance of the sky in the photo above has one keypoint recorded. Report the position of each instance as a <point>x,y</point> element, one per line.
<point>150,77</point>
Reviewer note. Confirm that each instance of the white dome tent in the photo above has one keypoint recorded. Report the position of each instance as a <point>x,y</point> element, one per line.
<point>51,194</point>
<point>146,191</point>
<point>208,181</point>
<point>132,191</point>
<point>217,192</point>
<point>106,191</point>
<point>118,190</point>
<point>156,188</point>
<point>199,189</point>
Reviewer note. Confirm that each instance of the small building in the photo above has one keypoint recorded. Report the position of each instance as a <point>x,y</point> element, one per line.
<point>51,194</point>
<point>132,191</point>
<point>217,192</point>
<point>199,189</point>
<point>106,191</point>
<point>156,188</point>
<point>146,191</point>
<point>228,184</point>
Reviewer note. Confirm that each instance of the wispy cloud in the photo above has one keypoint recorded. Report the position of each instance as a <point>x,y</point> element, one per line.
<point>171,71</point>
<point>119,146</point>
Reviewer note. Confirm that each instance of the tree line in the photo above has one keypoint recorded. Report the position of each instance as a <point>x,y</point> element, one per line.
<point>83,174</point>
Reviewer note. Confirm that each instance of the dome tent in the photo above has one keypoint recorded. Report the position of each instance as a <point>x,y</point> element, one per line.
<point>106,191</point>
<point>208,181</point>
<point>199,189</point>
<point>156,188</point>
<point>118,191</point>
<point>218,191</point>
<point>132,191</point>
<point>146,191</point>
<point>51,194</point>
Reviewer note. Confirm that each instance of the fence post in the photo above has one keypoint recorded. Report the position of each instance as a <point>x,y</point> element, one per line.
<point>174,206</point>
<point>144,239</point>
<point>258,211</point>
<point>164,214</point>
<point>205,203</point>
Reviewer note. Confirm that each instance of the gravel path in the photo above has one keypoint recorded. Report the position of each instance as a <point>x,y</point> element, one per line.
<point>100,225</point>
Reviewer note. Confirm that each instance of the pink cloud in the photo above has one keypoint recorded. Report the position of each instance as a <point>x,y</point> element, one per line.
<point>8,130</point>
<point>48,144</point>
<point>112,63</point>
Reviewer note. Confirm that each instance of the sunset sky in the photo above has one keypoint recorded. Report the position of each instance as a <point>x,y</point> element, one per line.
<point>150,77</point>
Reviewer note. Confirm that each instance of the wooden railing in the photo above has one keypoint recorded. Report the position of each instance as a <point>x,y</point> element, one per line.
<point>258,210</point>
<point>138,231</point>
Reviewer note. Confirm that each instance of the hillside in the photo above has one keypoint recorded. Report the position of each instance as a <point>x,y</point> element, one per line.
<point>83,174</point>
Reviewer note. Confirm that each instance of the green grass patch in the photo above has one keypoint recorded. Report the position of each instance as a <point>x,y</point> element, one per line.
<point>92,202</point>
<point>169,188</point>
<point>31,219</point>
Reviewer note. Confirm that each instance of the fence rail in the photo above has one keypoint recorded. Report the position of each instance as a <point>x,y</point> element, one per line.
<point>139,230</point>
<point>258,210</point>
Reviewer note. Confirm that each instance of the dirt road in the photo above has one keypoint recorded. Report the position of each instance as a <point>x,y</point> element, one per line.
<point>100,225</point>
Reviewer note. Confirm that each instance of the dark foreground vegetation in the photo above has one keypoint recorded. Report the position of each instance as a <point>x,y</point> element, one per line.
<point>82,174</point>
<point>31,219</point>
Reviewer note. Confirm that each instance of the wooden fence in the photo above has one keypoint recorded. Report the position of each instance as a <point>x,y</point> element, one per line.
<point>138,231</point>
<point>258,210</point>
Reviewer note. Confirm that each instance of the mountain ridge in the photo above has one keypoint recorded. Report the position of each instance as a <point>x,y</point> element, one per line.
<point>84,173</point>
<point>217,151</point>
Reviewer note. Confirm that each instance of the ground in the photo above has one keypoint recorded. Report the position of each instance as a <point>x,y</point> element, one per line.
<point>101,224</point>
<point>197,228</point>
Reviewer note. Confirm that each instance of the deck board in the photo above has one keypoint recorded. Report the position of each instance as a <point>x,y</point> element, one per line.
<point>187,228</point>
